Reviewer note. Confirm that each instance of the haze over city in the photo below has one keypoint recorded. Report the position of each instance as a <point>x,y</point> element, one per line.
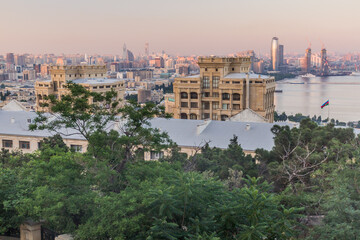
<point>201,27</point>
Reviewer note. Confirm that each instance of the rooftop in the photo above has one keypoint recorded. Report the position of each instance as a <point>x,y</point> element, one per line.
<point>186,133</point>
<point>243,76</point>
<point>94,81</point>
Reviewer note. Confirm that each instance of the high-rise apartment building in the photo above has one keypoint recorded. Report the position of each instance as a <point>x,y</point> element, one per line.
<point>307,63</point>
<point>281,55</point>
<point>223,89</point>
<point>10,59</point>
<point>93,78</point>
<point>275,54</point>
<point>159,62</point>
<point>324,67</point>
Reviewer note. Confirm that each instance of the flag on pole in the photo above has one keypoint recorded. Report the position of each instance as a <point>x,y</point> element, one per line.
<point>325,104</point>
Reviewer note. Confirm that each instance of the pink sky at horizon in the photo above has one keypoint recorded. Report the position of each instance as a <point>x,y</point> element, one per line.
<point>185,27</point>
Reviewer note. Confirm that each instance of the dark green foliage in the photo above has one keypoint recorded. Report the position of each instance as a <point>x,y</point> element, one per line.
<point>219,161</point>
<point>163,203</point>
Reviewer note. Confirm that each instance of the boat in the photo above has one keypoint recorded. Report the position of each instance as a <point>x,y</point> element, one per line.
<point>308,75</point>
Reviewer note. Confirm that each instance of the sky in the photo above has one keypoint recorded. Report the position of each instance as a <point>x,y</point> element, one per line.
<point>179,27</point>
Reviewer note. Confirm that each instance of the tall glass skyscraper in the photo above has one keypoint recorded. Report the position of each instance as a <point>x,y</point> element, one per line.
<point>275,54</point>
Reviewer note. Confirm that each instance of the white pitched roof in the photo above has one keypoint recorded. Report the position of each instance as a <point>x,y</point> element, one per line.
<point>185,132</point>
<point>14,105</point>
<point>248,115</point>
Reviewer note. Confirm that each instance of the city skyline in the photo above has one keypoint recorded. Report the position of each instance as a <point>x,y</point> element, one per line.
<point>179,28</point>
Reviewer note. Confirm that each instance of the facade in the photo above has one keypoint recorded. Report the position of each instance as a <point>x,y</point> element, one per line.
<point>144,95</point>
<point>223,89</point>
<point>275,54</point>
<point>92,78</point>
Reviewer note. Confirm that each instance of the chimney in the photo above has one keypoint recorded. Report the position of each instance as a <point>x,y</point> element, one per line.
<point>12,120</point>
<point>248,127</point>
<point>247,91</point>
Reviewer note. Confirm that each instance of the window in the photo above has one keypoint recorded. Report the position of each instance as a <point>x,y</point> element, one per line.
<point>193,105</point>
<point>215,116</point>
<point>76,148</point>
<point>206,82</point>
<point>183,95</point>
<point>183,116</point>
<point>216,69</point>
<point>193,116</point>
<point>206,115</point>
<point>206,94</point>
<point>225,106</point>
<point>101,87</point>
<point>206,105</point>
<point>193,95</point>
<point>215,81</point>
<point>94,87</point>
<point>156,155</point>
<point>183,81</point>
<point>39,145</point>
<point>236,106</point>
<point>226,96</point>
<point>184,104</point>
<point>236,82</point>
<point>215,105</point>
<point>7,143</point>
<point>215,95</point>
<point>224,117</point>
<point>233,69</point>
<point>114,86</point>
<point>236,96</point>
<point>205,69</point>
<point>69,75</point>
<point>24,145</point>
<point>108,86</point>
<point>193,81</point>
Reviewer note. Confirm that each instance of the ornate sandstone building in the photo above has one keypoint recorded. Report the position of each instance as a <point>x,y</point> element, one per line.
<point>91,77</point>
<point>222,90</point>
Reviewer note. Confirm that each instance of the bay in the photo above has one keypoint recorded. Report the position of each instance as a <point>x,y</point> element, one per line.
<point>306,95</point>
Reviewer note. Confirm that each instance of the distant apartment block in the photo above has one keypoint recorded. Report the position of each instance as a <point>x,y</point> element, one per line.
<point>92,77</point>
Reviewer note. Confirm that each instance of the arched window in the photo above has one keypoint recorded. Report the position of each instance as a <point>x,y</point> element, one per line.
<point>224,117</point>
<point>193,95</point>
<point>183,116</point>
<point>183,95</point>
<point>39,97</point>
<point>236,96</point>
<point>193,116</point>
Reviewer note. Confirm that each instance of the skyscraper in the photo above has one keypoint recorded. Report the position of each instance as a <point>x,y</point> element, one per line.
<point>324,68</point>
<point>308,60</point>
<point>147,49</point>
<point>281,55</point>
<point>124,52</point>
<point>275,54</point>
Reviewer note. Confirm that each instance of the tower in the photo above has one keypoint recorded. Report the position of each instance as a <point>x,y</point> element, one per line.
<point>147,49</point>
<point>124,57</point>
<point>308,60</point>
<point>281,55</point>
<point>324,64</point>
<point>275,54</point>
